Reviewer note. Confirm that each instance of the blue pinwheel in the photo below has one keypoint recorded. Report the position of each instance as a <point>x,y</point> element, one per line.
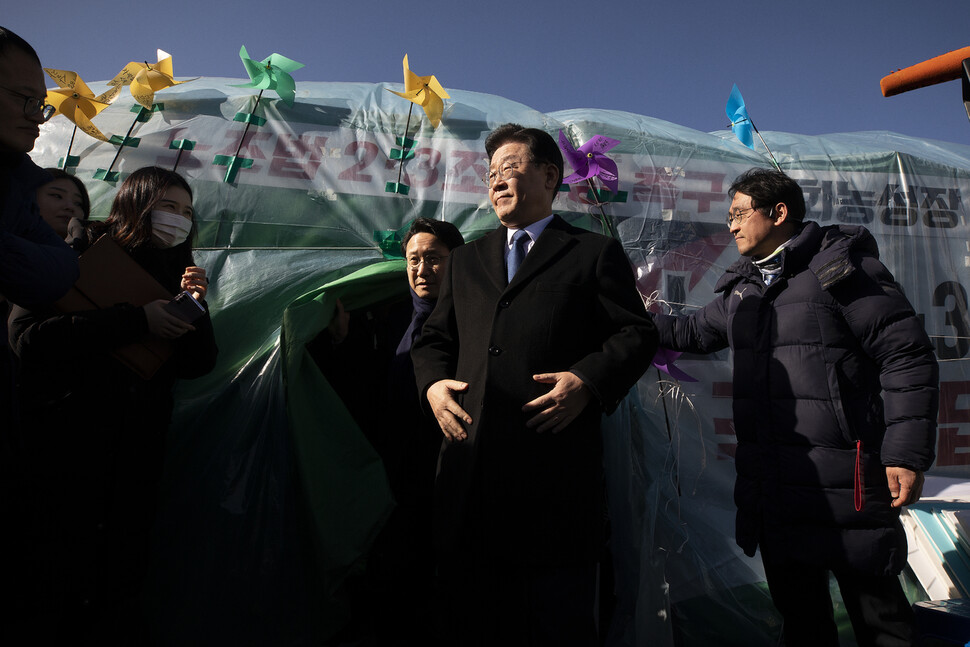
<point>590,160</point>
<point>740,121</point>
<point>742,125</point>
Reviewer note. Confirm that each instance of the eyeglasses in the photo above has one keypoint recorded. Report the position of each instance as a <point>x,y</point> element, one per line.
<point>739,216</point>
<point>429,261</point>
<point>506,171</point>
<point>33,105</point>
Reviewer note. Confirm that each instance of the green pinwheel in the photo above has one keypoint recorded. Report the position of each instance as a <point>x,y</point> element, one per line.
<point>272,73</point>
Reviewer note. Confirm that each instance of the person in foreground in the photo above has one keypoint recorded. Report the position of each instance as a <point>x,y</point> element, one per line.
<point>35,264</point>
<point>517,362</point>
<point>835,404</point>
<point>93,447</point>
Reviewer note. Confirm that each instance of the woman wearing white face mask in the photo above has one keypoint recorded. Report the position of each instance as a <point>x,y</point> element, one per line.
<point>93,455</point>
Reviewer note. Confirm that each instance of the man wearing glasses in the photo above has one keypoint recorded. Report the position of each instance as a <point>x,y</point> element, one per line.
<point>538,331</point>
<point>835,403</point>
<point>35,265</point>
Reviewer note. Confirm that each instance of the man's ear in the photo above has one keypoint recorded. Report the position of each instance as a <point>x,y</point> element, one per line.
<point>781,214</point>
<point>552,176</point>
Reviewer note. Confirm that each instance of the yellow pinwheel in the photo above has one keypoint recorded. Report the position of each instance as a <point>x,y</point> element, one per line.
<point>146,79</point>
<point>77,102</point>
<point>424,91</point>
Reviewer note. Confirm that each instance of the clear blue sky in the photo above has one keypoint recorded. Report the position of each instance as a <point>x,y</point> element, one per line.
<point>808,67</point>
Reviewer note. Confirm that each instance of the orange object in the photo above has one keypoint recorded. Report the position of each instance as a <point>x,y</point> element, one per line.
<point>946,67</point>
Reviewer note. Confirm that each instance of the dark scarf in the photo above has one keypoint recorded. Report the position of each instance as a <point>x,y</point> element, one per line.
<point>402,392</point>
<point>422,310</point>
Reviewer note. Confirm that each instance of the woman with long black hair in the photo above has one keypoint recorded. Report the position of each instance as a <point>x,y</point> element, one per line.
<point>94,429</point>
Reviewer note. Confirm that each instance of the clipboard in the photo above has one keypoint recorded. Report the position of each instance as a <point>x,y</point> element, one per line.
<point>110,276</point>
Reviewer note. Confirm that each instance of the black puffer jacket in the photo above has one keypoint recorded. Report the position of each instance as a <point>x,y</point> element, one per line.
<point>832,370</point>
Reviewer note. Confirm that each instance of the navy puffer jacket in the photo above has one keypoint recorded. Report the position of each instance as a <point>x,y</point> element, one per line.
<point>834,379</point>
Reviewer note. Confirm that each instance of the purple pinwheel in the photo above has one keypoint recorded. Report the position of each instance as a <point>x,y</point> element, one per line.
<point>664,360</point>
<point>590,160</point>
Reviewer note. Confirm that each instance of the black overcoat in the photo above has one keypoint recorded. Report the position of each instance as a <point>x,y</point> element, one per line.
<point>573,306</point>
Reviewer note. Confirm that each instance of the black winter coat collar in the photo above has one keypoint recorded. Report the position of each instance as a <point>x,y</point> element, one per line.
<point>826,251</point>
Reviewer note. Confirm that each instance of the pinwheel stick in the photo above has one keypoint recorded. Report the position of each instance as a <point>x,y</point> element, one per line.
<point>70,145</point>
<point>758,133</point>
<point>763,143</point>
<point>248,123</point>
<point>407,126</point>
<point>125,140</point>
<point>663,399</point>
<point>178,157</point>
<point>607,223</point>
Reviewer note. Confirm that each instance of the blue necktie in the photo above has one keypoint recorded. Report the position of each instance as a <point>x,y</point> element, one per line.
<point>517,254</point>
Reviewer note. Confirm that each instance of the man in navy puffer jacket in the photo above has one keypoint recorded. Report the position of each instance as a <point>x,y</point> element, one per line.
<point>835,404</point>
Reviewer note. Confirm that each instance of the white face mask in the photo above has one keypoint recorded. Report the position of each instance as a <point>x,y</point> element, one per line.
<point>169,229</point>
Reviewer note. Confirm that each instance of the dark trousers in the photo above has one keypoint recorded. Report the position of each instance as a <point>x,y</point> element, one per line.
<point>521,606</point>
<point>880,613</point>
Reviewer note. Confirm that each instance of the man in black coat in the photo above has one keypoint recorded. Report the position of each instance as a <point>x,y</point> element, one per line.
<point>835,403</point>
<point>518,362</point>
<point>35,264</point>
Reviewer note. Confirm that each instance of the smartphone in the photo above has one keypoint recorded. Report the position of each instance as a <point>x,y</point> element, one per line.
<point>186,307</point>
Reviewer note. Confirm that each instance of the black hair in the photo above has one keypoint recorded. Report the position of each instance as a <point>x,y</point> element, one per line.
<point>446,232</point>
<point>130,218</point>
<point>8,40</point>
<point>542,146</point>
<point>767,187</point>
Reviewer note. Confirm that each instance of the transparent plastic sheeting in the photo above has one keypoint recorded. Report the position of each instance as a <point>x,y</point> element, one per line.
<point>272,497</point>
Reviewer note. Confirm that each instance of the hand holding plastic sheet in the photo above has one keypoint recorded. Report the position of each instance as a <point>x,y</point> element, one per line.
<point>590,160</point>
<point>77,102</point>
<point>145,79</point>
<point>738,114</point>
<point>272,73</point>
<point>424,91</point>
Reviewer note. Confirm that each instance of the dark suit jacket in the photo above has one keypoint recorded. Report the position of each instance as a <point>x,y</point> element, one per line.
<point>512,492</point>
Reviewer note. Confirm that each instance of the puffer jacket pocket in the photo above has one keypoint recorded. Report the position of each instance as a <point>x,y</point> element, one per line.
<point>840,390</point>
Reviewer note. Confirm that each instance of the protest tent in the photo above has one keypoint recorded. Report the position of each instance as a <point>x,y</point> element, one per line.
<point>272,497</point>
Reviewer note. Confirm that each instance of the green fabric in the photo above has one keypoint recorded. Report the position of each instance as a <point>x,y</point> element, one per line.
<point>342,476</point>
